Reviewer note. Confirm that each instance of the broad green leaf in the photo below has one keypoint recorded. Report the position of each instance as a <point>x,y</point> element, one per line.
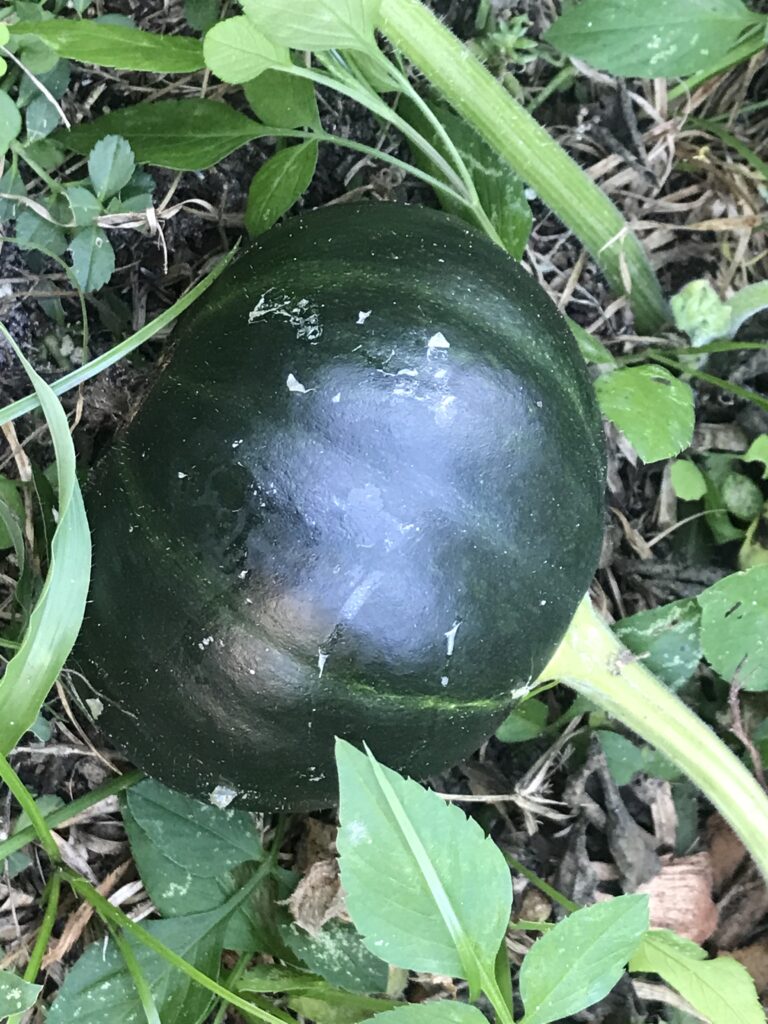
<point>56,619</point>
<point>625,759</point>
<point>687,480</point>
<point>16,995</point>
<point>93,258</point>
<point>721,989</point>
<point>275,978</point>
<point>202,14</point>
<point>420,877</point>
<point>442,1012</point>
<point>742,496</point>
<point>525,723</point>
<point>580,960</point>
<point>758,452</point>
<point>204,839</point>
<point>338,954</point>
<point>178,892</point>
<point>236,51</point>
<point>700,313</point>
<point>500,191</point>
<point>734,627</point>
<point>115,46</point>
<point>652,39</point>
<point>277,184</point>
<point>591,348</point>
<point>34,231</point>
<point>282,100</point>
<point>667,639</point>
<point>316,24</point>
<point>110,165</point>
<point>12,184</point>
<point>653,409</point>
<point>98,989</point>
<point>10,122</point>
<point>13,507</point>
<point>185,135</point>
<point>716,467</point>
<point>324,1004</point>
<point>40,119</point>
<point>84,205</point>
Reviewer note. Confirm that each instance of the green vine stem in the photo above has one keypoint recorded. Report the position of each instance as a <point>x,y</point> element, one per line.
<point>530,151</point>
<point>592,661</point>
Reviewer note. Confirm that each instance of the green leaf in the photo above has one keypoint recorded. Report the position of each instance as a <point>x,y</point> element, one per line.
<point>236,51</point>
<point>758,452</point>
<point>33,231</point>
<point>721,989</point>
<point>734,627</point>
<point>84,205</point>
<point>201,838</point>
<point>178,892</point>
<point>282,100</point>
<point>93,258</point>
<point>425,887</point>
<point>324,1004</point>
<point>500,191</point>
<point>185,135</point>
<point>57,617</point>
<point>11,183</point>
<point>16,995</point>
<point>700,313</point>
<point>742,496</point>
<point>201,14</point>
<point>442,1012</point>
<point>275,978</point>
<point>667,639</point>
<point>337,953</point>
<point>525,723</point>
<point>40,118</point>
<point>591,348</point>
<point>580,960</point>
<point>625,760</point>
<point>110,165</point>
<point>10,122</point>
<point>652,39</point>
<point>316,24</point>
<point>687,480</point>
<point>277,184</point>
<point>99,989</point>
<point>13,507</point>
<point>116,46</point>
<point>652,408</point>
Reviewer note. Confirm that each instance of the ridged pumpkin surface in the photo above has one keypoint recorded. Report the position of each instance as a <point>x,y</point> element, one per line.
<point>363,499</point>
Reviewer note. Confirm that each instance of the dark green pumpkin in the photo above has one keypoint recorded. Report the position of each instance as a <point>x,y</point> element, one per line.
<point>363,500</point>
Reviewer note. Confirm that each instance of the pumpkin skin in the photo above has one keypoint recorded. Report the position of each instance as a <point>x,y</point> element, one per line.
<point>364,499</point>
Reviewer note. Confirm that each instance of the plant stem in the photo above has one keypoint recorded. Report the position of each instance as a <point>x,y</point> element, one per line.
<point>543,886</point>
<point>117,919</point>
<point>530,151</point>
<point>725,385</point>
<point>51,903</point>
<point>112,788</point>
<point>592,661</point>
<point>28,805</point>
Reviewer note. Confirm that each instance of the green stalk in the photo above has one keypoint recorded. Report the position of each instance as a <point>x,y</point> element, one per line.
<point>484,104</point>
<point>67,812</point>
<point>592,661</point>
<point>27,803</point>
<point>51,902</point>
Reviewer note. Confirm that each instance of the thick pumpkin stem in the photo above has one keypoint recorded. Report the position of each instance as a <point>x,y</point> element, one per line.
<point>592,661</point>
<point>529,150</point>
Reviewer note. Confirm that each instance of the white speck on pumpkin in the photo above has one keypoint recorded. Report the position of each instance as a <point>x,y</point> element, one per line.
<point>181,476</point>
<point>336,398</point>
<point>205,642</point>
<point>236,444</point>
<point>322,657</point>
<point>444,680</point>
<point>438,341</point>
<point>222,796</point>
<point>450,636</point>
<point>407,373</point>
<point>295,385</point>
<point>362,316</point>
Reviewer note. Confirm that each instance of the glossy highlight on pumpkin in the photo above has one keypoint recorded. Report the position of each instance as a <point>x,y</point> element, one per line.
<point>363,500</point>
